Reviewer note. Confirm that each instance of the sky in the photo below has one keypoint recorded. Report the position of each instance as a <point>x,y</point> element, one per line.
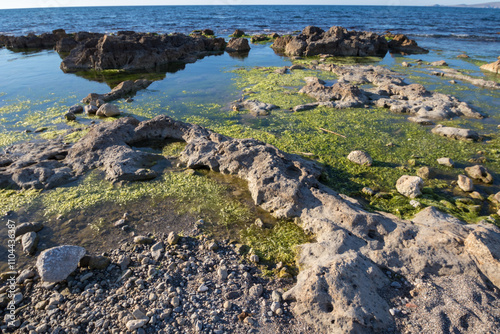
<point>4,4</point>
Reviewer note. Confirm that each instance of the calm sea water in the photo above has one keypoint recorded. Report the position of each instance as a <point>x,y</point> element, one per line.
<point>436,27</point>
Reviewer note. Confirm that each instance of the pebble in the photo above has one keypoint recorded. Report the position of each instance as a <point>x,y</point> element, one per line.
<point>142,240</point>
<point>135,324</point>
<point>393,311</point>
<point>203,288</point>
<point>254,258</point>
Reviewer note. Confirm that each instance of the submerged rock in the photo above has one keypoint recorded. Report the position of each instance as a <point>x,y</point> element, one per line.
<point>255,107</point>
<point>56,264</point>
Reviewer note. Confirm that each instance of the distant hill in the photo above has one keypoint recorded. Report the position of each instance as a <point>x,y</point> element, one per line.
<point>480,5</point>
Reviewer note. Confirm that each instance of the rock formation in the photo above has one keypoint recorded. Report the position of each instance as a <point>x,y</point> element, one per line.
<point>359,258</point>
<point>238,45</point>
<point>402,44</point>
<point>493,67</point>
<point>123,89</point>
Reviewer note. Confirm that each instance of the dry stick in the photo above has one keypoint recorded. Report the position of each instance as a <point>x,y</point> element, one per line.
<point>335,133</point>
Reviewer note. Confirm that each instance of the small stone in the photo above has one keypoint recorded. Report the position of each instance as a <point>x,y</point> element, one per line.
<point>426,173</point>
<point>175,301</point>
<point>76,109</point>
<point>142,240</point>
<point>275,296</point>
<point>157,247</point>
<point>55,264</point>
<point>140,314</point>
<point>222,272</point>
<point>393,311</point>
<point>476,195</point>
<point>231,295</point>
<point>172,238</point>
<point>120,223</point>
<point>415,204</point>
<point>202,288</point>
<point>410,186</point>
<point>30,242</point>
<point>108,110</point>
<point>465,183</point>
<point>368,191</point>
<point>254,258</point>
<point>478,172</point>
<point>255,291</point>
<point>396,285</point>
<point>258,222</point>
<point>198,326</point>
<point>129,100</point>
<point>275,306</point>
<point>360,158</point>
<point>132,325</point>
<point>227,305</point>
<point>213,246</point>
<point>90,109</point>
<point>279,311</point>
<point>446,162</point>
<point>405,64</point>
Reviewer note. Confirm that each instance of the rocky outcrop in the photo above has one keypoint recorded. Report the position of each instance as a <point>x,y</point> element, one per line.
<point>138,51</point>
<point>390,92</point>
<point>402,44</point>
<point>358,260</point>
<point>32,41</point>
<point>337,41</point>
<point>493,67</point>
<point>123,89</point>
<point>238,45</point>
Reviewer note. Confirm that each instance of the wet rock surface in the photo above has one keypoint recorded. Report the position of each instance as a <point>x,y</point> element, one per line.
<point>238,45</point>
<point>123,89</point>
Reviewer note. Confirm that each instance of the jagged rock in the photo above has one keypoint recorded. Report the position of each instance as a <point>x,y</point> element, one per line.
<point>493,67</point>
<point>344,95</point>
<point>238,33</point>
<point>484,245</point>
<point>478,172</point>
<point>465,183</point>
<point>138,51</point>
<point>456,133</point>
<point>238,45</point>
<point>337,41</point>
<point>123,89</point>
<point>108,110</point>
<point>402,44</point>
<point>57,263</point>
<point>360,158</point>
<point>410,186</point>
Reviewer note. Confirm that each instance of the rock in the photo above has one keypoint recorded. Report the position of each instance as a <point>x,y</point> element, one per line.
<point>69,116</point>
<point>30,242</point>
<point>123,89</point>
<point>465,183</point>
<point>254,258</point>
<point>478,172</point>
<point>421,120</point>
<point>143,240</point>
<point>238,45</point>
<point>446,162</point>
<point>137,51</point>
<point>456,133</point>
<point>132,325</point>
<point>276,296</point>
<point>337,41</point>
<point>57,263</point>
<point>76,109</point>
<point>492,67</point>
<point>496,197</point>
<point>344,95</point>
<point>231,295</point>
<point>256,108</point>
<point>157,247</point>
<point>455,74</point>
<point>439,63</point>
<point>172,238</point>
<point>108,110</point>
<point>405,64</point>
<point>90,109</point>
<point>255,291</point>
<point>238,33</point>
<point>304,107</point>
<point>202,288</point>
<point>360,158</point>
<point>27,227</point>
<point>402,44</point>
<point>24,275</point>
<point>296,67</point>
<point>463,55</point>
<point>484,245</point>
<point>222,273</point>
<point>98,262</point>
<point>368,191</point>
<point>139,313</point>
<point>426,173</point>
<point>410,186</point>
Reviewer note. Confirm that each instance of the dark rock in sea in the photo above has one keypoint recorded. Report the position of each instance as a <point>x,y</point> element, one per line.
<point>123,89</point>
<point>238,45</point>
<point>337,41</point>
<point>238,33</point>
<point>402,44</point>
<point>32,41</point>
<point>138,51</point>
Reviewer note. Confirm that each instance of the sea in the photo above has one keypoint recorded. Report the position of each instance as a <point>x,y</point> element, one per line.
<point>475,30</point>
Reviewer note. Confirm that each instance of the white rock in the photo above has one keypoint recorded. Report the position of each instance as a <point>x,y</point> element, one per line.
<point>132,325</point>
<point>108,110</point>
<point>410,186</point>
<point>55,264</point>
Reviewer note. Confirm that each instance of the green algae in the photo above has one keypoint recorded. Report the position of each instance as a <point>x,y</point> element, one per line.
<point>276,244</point>
<point>11,137</point>
<point>14,200</point>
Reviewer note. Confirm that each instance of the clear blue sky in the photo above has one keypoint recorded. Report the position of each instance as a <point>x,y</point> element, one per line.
<point>71,3</point>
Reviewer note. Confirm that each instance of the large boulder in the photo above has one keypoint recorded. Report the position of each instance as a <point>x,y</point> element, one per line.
<point>337,41</point>
<point>238,45</point>
<point>56,264</point>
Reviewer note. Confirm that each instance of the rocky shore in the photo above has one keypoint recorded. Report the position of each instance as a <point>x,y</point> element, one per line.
<point>365,272</point>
